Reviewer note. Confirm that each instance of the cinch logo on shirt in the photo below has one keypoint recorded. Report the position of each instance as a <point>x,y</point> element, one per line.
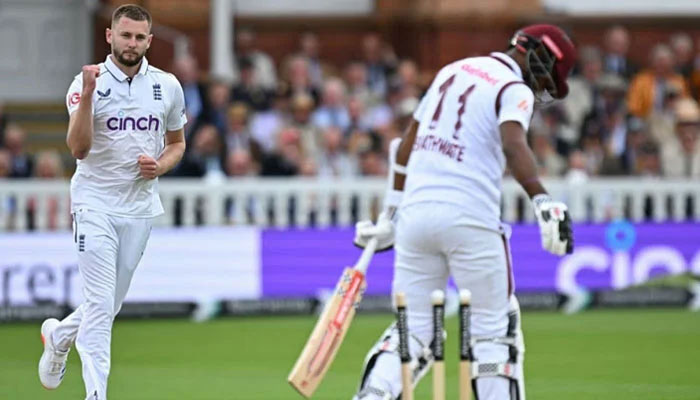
<point>150,123</point>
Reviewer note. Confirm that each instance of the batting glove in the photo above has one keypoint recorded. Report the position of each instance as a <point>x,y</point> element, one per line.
<point>383,230</point>
<point>555,225</point>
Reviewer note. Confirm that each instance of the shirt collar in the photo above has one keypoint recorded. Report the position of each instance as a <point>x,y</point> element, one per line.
<point>509,62</point>
<point>118,74</point>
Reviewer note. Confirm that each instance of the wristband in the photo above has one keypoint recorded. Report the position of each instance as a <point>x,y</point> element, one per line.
<point>399,169</point>
<point>541,198</point>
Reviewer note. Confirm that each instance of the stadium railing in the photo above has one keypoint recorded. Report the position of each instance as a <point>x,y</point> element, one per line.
<point>300,202</point>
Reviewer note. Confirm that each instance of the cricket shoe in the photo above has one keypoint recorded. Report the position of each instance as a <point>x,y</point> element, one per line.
<point>52,365</point>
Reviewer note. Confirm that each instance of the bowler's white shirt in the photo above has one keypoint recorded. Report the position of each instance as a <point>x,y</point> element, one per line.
<point>458,156</point>
<point>130,118</point>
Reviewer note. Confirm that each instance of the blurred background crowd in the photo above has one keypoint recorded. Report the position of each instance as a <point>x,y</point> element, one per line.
<point>305,116</point>
<point>301,117</point>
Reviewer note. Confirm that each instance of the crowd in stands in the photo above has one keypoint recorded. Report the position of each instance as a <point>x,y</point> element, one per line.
<point>17,162</point>
<point>623,119</point>
<point>302,116</point>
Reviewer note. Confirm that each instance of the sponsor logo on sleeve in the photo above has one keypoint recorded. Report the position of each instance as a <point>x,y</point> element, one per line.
<point>74,98</point>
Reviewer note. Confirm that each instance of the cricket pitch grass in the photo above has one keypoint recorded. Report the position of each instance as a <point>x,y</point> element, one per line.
<point>619,354</point>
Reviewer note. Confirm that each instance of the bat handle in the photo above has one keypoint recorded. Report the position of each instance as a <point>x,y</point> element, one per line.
<point>366,256</point>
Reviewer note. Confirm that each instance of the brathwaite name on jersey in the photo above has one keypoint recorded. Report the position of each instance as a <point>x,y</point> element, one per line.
<point>439,145</point>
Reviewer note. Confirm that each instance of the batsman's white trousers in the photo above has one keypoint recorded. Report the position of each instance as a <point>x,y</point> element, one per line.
<point>434,241</point>
<point>109,249</point>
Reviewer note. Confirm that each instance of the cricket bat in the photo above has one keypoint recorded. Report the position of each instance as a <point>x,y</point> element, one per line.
<point>332,325</point>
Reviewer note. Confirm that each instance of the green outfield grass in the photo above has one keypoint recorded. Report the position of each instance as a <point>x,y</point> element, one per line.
<point>643,354</point>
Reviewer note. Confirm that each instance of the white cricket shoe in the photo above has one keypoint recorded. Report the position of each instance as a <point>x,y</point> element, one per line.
<point>52,365</point>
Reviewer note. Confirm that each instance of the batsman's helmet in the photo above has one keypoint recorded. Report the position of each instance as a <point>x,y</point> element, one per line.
<point>549,56</point>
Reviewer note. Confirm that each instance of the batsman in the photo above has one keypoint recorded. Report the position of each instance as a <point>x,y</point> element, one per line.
<point>442,212</point>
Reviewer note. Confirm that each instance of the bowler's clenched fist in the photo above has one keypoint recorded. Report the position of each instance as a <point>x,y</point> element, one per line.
<point>148,167</point>
<point>90,74</point>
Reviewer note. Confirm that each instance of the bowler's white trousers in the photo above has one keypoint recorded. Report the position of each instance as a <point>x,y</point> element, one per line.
<point>109,249</point>
<point>433,242</point>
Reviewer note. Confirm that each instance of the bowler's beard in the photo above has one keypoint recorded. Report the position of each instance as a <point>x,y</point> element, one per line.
<point>125,61</point>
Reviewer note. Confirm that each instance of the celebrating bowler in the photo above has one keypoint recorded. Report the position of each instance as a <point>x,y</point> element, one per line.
<point>125,129</point>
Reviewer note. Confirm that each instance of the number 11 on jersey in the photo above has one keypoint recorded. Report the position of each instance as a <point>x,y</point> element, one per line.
<point>462,101</point>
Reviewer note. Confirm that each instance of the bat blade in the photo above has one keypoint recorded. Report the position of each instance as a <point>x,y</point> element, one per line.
<point>328,334</point>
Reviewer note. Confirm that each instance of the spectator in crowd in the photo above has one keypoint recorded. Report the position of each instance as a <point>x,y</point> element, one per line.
<point>356,81</point>
<point>681,154</point>
<point>333,111</point>
<point>248,90</point>
<point>607,124</point>
<point>187,72</point>
<point>309,48</point>
<point>218,96</point>
<point>204,157</point>
<point>682,46</point>
<point>593,152</point>
<point>237,132</point>
<point>239,163</point>
<point>265,74</point>
<point>310,134</point>
<point>264,125</point>
<point>287,157</point>
<point>357,115</point>
<point>382,114</point>
<point>648,161</point>
<point>648,89</point>
<point>21,161</point>
<point>583,93</point>
<point>613,110</point>
<point>372,163</point>
<point>637,135</point>
<point>549,162</point>
<point>3,124</point>
<point>334,161</point>
<point>380,61</point>
<point>617,44</point>
<point>48,165</point>
<point>407,77</point>
<point>5,164</point>
<point>695,75</point>
<point>550,122</point>
<point>662,123</point>
<point>298,79</point>
<point>8,205</point>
